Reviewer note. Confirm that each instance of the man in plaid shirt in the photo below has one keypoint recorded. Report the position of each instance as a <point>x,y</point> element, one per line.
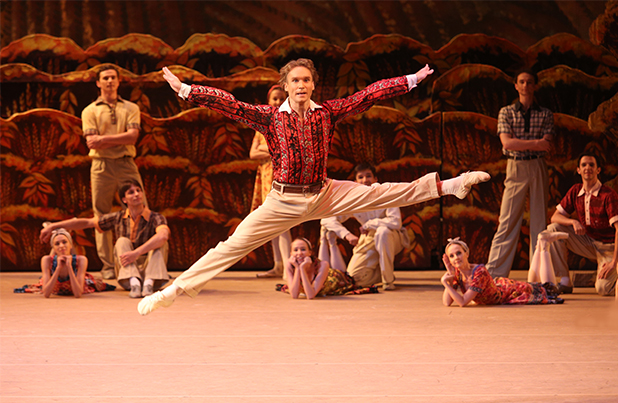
<point>526,131</point>
<point>140,252</point>
<point>593,234</point>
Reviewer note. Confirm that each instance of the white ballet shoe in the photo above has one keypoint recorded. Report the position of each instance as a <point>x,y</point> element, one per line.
<point>549,236</point>
<point>152,302</point>
<point>469,179</point>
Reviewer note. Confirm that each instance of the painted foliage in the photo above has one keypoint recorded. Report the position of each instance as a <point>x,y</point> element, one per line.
<point>195,162</point>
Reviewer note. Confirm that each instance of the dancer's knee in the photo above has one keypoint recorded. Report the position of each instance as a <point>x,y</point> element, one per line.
<point>605,287</point>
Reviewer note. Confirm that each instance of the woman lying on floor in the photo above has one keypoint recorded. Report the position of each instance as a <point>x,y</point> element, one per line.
<point>64,272</point>
<point>465,283</point>
<point>308,275</point>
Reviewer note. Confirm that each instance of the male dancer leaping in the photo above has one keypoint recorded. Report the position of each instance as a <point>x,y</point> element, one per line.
<point>299,134</point>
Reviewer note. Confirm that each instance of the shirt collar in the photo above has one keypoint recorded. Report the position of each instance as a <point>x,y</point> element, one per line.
<point>145,213</point>
<point>285,106</point>
<point>100,100</point>
<point>595,189</point>
<point>519,106</point>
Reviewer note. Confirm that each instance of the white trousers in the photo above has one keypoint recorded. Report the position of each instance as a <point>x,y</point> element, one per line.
<point>374,257</point>
<point>280,212</point>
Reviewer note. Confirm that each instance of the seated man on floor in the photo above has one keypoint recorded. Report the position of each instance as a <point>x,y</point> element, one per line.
<point>593,234</point>
<point>382,238</point>
<point>140,252</point>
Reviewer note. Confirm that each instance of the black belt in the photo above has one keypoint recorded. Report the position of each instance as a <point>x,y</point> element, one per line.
<point>311,188</point>
<point>524,158</point>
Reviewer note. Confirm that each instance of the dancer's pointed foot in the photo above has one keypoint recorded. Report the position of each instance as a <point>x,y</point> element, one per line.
<point>468,179</point>
<point>152,302</point>
<point>549,236</point>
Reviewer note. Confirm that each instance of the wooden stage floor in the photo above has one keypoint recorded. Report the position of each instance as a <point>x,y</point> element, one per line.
<point>241,341</point>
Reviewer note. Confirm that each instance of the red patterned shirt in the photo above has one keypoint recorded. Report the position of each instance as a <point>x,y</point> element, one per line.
<point>298,151</point>
<point>597,210</point>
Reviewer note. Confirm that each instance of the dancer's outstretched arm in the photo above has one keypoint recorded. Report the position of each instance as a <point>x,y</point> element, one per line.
<point>257,117</point>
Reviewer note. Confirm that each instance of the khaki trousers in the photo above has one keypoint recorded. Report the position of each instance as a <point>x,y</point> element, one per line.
<point>373,260</point>
<point>585,246</point>
<point>106,177</point>
<point>522,177</point>
<point>152,265</point>
<point>280,212</point>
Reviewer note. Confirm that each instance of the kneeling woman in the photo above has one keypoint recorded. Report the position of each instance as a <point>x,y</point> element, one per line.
<point>464,283</point>
<point>308,275</point>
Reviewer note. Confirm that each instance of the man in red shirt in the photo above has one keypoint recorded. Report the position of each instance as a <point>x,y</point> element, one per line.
<point>593,234</point>
<point>299,133</point>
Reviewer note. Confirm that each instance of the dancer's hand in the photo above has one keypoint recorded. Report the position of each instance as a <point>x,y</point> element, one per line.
<point>173,81</point>
<point>422,73</point>
<point>447,279</point>
<point>305,263</point>
<point>63,260</point>
<point>578,228</point>
<point>45,234</point>
<point>606,269</point>
<point>447,264</point>
<point>352,239</point>
<point>293,262</point>
<point>128,257</point>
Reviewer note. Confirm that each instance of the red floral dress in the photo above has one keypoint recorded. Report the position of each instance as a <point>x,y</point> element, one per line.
<point>501,291</point>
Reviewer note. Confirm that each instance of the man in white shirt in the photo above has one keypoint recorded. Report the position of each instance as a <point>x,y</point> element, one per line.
<point>382,238</point>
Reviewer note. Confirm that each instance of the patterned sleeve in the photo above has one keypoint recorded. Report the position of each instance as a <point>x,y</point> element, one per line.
<point>568,201</point>
<point>107,222</point>
<point>504,123</point>
<point>365,99</point>
<point>258,117</point>
<point>160,222</point>
<point>612,207</point>
<point>548,124</point>
<point>89,122</point>
<point>480,277</point>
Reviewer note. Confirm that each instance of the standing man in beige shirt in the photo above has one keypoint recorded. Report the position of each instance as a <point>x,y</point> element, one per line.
<point>111,126</point>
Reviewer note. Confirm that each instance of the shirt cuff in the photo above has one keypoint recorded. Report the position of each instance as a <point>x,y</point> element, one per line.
<point>185,90</point>
<point>412,80</point>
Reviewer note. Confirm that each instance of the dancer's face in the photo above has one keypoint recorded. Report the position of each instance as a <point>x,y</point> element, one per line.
<point>61,245</point>
<point>525,85</point>
<point>588,168</point>
<point>276,98</point>
<point>300,250</point>
<point>366,177</point>
<point>108,81</point>
<point>299,84</point>
<point>457,256</point>
<point>134,196</point>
